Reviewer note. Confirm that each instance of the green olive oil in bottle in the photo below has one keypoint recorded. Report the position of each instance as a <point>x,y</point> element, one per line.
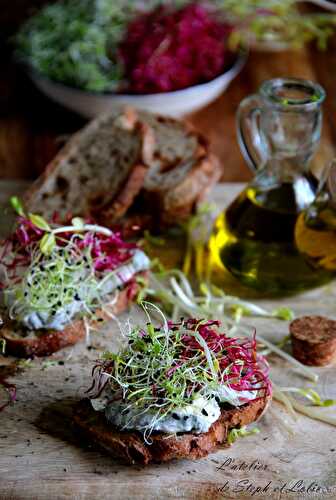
<point>254,239</point>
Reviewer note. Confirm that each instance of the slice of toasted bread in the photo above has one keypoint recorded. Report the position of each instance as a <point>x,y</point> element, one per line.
<point>46,342</point>
<point>131,448</point>
<point>182,171</point>
<point>93,169</point>
<point>124,199</point>
<point>178,203</point>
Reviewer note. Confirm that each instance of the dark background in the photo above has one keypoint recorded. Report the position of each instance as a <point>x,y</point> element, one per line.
<point>32,128</point>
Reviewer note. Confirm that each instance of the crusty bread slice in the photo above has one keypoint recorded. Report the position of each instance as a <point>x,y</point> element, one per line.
<point>46,342</point>
<point>93,169</point>
<point>182,171</point>
<point>177,203</point>
<point>131,448</point>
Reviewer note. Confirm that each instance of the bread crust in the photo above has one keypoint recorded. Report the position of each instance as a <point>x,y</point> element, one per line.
<point>180,202</point>
<point>173,171</point>
<point>313,340</point>
<point>126,120</point>
<point>125,198</point>
<point>50,341</point>
<point>130,447</point>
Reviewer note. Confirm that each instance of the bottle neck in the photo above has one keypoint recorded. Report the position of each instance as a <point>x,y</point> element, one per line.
<point>283,170</point>
<point>287,174</point>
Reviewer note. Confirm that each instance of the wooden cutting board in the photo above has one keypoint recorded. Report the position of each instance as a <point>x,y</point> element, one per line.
<point>41,458</point>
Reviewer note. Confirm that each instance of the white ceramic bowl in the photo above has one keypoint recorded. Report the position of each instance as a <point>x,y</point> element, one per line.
<point>175,104</point>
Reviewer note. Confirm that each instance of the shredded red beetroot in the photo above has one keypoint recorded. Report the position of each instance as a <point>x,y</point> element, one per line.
<point>167,50</point>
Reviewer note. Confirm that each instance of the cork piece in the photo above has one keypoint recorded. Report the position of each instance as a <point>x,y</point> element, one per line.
<point>314,340</point>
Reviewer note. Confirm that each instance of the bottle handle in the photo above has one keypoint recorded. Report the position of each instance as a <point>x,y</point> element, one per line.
<point>328,179</point>
<point>251,141</point>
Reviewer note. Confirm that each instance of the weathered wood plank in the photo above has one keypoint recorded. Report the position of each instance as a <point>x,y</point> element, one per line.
<point>40,457</point>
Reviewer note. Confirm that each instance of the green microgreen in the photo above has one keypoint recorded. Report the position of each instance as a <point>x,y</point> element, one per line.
<point>54,272</point>
<point>39,222</point>
<point>75,41</point>
<point>17,205</point>
<point>156,241</point>
<point>48,364</point>
<point>165,368</point>
<point>315,411</point>
<point>57,279</point>
<point>311,395</point>
<point>283,342</point>
<point>234,434</point>
<point>25,363</point>
<point>276,21</point>
<point>284,313</point>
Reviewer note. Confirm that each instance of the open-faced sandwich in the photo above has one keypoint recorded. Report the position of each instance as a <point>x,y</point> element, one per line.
<point>58,281</point>
<point>177,391</point>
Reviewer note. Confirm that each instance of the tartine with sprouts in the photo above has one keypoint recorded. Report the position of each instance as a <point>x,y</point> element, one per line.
<point>175,391</point>
<point>56,280</point>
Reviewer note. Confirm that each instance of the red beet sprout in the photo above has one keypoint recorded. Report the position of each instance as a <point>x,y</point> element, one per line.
<point>107,252</point>
<point>238,365</point>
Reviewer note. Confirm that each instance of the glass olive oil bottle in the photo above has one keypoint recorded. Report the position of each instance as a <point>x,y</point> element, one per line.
<point>315,229</point>
<point>254,239</point>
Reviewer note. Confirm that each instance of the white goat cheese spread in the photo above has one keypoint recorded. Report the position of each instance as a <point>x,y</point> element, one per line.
<point>36,320</point>
<point>196,417</point>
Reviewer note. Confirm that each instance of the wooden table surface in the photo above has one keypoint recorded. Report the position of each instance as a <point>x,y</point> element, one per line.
<point>41,458</point>
<point>32,127</point>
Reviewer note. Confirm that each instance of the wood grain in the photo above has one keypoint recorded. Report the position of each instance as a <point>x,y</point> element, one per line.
<point>41,457</point>
<point>30,124</point>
